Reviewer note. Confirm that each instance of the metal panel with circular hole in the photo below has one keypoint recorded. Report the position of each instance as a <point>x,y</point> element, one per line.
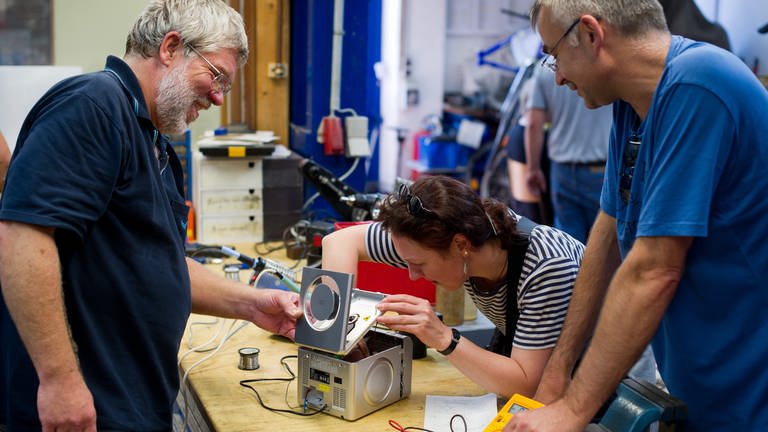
<point>336,316</point>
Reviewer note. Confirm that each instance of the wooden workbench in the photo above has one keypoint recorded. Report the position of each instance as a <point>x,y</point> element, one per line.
<point>216,401</point>
<point>227,406</point>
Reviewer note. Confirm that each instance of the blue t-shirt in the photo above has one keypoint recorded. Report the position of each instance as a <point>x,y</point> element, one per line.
<point>700,171</point>
<point>88,163</point>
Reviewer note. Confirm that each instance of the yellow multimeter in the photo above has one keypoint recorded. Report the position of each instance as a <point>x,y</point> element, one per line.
<point>514,405</point>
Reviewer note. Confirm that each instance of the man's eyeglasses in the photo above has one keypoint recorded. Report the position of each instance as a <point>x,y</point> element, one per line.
<point>550,60</point>
<point>413,203</point>
<point>628,160</point>
<point>221,83</point>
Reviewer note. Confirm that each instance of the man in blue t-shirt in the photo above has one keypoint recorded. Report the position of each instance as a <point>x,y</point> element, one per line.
<point>677,253</point>
<point>96,287</point>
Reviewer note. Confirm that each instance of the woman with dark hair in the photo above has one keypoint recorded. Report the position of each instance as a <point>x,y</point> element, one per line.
<point>442,231</point>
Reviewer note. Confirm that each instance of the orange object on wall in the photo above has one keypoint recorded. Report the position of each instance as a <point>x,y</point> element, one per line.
<point>190,222</point>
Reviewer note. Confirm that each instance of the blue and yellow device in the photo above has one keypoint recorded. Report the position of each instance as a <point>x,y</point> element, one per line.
<point>514,405</point>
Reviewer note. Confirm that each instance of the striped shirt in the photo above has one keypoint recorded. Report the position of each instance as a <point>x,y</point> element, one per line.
<point>543,290</point>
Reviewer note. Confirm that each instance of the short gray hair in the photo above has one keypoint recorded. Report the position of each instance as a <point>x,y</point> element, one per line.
<point>207,25</point>
<point>630,17</point>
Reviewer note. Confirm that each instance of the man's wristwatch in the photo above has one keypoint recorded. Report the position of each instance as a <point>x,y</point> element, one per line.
<point>455,336</point>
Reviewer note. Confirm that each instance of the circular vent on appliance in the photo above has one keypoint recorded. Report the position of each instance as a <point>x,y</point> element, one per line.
<point>321,303</point>
<point>378,381</point>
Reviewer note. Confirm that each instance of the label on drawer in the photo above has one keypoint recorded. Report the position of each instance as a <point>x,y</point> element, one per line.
<point>230,229</point>
<point>231,201</point>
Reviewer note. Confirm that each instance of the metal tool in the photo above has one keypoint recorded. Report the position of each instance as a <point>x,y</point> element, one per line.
<point>637,405</point>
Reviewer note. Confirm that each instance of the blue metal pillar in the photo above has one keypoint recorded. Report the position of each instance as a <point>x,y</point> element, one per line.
<point>311,47</point>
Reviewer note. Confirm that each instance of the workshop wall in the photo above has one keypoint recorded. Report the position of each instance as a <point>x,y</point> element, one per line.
<point>473,26</point>
<point>444,49</point>
<point>413,48</point>
<point>477,24</point>
<point>741,20</point>
<point>442,40</point>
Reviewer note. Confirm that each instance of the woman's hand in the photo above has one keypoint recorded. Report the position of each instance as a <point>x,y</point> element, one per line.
<point>416,316</point>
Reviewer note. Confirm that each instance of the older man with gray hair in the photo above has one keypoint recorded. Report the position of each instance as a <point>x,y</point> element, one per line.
<point>96,287</point>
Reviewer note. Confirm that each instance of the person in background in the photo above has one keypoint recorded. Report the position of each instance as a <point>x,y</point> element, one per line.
<point>96,286</point>
<point>517,274</point>
<point>5,159</point>
<point>678,250</point>
<point>537,208</point>
<point>577,146</point>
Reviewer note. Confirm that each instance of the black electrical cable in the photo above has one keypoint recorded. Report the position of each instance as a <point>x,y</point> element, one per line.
<point>268,249</point>
<point>395,425</point>
<point>293,242</point>
<point>207,251</point>
<point>246,384</point>
<point>461,417</point>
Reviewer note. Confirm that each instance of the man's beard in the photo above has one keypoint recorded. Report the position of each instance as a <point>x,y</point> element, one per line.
<point>175,96</point>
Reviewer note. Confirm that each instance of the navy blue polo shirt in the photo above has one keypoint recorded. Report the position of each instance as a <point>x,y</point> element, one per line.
<point>85,164</point>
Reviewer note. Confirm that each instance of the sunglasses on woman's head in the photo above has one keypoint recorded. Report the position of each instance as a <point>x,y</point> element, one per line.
<point>413,203</point>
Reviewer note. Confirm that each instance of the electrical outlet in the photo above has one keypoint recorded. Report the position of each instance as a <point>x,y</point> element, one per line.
<point>277,70</point>
<point>357,136</point>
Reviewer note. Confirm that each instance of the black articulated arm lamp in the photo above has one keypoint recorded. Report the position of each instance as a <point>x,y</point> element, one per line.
<point>348,202</point>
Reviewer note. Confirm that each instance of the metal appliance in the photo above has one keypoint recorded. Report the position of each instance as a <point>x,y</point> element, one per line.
<point>345,368</point>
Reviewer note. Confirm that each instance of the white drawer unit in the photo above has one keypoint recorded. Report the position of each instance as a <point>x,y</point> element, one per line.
<point>228,200</point>
<point>246,199</point>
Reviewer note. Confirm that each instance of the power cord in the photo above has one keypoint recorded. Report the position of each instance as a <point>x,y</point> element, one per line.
<point>196,250</point>
<point>267,250</point>
<point>211,352</point>
<point>395,425</point>
<point>286,281</point>
<point>190,337</point>
<point>246,384</point>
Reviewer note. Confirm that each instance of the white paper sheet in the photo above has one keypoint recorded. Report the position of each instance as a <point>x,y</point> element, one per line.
<point>478,411</point>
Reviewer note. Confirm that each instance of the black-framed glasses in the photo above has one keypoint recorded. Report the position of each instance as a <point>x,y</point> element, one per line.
<point>628,160</point>
<point>550,60</point>
<point>413,203</point>
<point>221,82</point>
